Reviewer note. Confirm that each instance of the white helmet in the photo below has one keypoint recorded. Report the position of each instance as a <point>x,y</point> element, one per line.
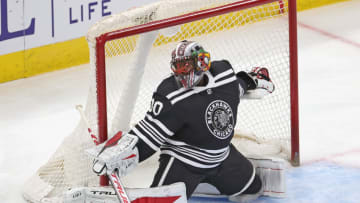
<point>189,61</point>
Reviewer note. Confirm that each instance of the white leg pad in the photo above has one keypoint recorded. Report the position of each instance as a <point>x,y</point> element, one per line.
<point>272,174</point>
<point>169,193</point>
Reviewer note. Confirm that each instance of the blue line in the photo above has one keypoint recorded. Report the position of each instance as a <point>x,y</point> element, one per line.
<point>52,18</point>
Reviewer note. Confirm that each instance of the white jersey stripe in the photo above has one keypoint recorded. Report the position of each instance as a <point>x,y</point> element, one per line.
<point>223,82</point>
<point>197,151</point>
<point>194,155</point>
<point>196,90</point>
<point>188,94</point>
<point>155,131</point>
<point>187,161</point>
<point>160,125</point>
<point>247,184</point>
<point>174,93</point>
<point>149,134</point>
<point>163,176</point>
<point>223,74</point>
<point>145,139</point>
<point>213,151</point>
<point>217,77</point>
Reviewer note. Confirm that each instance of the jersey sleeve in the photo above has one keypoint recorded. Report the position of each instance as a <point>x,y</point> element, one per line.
<point>160,122</point>
<point>242,84</point>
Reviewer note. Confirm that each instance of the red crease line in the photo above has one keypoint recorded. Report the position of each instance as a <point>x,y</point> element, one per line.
<point>330,35</point>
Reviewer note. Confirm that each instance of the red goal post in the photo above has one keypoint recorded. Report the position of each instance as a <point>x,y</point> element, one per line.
<point>190,17</point>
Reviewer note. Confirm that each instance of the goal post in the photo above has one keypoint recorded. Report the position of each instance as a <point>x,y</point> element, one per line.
<point>294,92</point>
<point>130,54</point>
<point>102,39</point>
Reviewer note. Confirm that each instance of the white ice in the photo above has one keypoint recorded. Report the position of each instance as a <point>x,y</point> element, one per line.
<point>38,112</point>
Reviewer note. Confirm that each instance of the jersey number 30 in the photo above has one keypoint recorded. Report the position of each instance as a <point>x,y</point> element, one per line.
<point>156,107</point>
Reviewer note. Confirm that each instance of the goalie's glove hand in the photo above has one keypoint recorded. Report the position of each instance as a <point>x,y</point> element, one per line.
<point>119,152</point>
<point>257,78</point>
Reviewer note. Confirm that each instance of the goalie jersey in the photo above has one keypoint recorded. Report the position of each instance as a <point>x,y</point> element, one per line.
<point>193,125</point>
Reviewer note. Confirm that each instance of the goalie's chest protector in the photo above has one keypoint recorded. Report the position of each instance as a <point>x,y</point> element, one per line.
<point>208,113</point>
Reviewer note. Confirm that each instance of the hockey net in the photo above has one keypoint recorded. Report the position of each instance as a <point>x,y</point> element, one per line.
<point>130,55</point>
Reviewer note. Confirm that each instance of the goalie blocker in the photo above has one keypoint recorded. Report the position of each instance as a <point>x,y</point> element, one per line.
<point>118,153</point>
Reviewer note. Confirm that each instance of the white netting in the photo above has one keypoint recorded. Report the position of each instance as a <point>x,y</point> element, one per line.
<point>252,37</point>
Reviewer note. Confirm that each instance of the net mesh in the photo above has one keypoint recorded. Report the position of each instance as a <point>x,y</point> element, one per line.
<point>248,38</point>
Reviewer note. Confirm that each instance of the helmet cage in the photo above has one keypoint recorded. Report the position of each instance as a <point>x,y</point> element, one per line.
<point>189,62</point>
<point>184,65</point>
<point>189,80</point>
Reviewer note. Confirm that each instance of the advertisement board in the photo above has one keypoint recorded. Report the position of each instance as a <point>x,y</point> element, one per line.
<point>33,23</point>
<point>38,36</point>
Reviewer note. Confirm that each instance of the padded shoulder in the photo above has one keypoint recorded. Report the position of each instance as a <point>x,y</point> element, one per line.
<point>167,86</point>
<point>221,66</point>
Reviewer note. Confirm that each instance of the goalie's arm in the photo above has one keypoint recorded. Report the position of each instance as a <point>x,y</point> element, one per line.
<point>144,150</point>
<point>122,152</point>
<point>255,84</point>
<point>160,123</point>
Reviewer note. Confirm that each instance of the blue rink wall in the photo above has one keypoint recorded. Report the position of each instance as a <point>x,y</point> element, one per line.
<point>319,182</point>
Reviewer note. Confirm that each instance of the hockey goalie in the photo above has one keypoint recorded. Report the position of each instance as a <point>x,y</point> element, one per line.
<point>191,122</point>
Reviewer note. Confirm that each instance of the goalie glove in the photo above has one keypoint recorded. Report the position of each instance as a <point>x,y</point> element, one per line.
<point>118,153</point>
<point>257,78</point>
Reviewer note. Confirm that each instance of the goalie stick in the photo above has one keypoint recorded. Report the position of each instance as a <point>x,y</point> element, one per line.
<point>113,177</point>
<point>83,117</point>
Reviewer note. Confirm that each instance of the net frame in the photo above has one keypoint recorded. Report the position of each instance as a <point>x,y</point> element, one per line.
<point>102,39</point>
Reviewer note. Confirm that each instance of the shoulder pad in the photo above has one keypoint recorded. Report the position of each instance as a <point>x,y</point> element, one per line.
<point>167,86</point>
<point>218,67</point>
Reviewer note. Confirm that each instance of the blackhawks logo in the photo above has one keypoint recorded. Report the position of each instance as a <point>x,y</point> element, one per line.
<point>219,119</point>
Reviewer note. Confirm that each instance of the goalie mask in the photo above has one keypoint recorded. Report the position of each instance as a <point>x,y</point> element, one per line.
<point>189,61</point>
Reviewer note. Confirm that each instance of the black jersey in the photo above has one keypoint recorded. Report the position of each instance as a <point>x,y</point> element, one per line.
<point>194,125</point>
